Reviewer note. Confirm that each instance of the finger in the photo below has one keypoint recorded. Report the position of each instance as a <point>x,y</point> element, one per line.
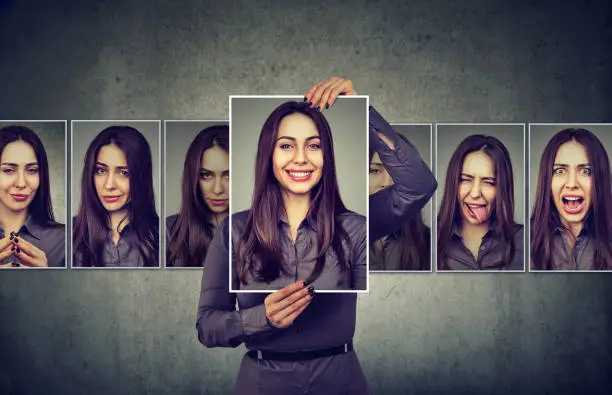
<point>28,248</point>
<point>287,321</point>
<point>284,292</point>
<point>279,306</point>
<point>310,94</point>
<point>5,254</point>
<point>5,242</point>
<point>336,83</point>
<point>344,88</point>
<point>30,261</point>
<point>5,265</point>
<point>320,90</point>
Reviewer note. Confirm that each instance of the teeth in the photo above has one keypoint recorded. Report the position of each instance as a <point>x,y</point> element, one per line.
<point>572,198</point>
<point>300,173</point>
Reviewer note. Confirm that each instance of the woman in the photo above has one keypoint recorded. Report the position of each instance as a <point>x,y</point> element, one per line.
<point>117,224</point>
<point>476,228</point>
<point>29,234</point>
<point>205,198</point>
<point>407,248</point>
<point>572,215</point>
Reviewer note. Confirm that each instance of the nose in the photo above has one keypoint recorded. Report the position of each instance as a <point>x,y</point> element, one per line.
<point>571,180</point>
<point>20,182</point>
<point>109,183</point>
<point>475,190</point>
<point>300,156</point>
<point>218,186</point>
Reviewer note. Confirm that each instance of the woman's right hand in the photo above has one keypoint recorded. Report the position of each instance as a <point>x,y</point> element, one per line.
<point>5,251</point>
<point>286,304</point>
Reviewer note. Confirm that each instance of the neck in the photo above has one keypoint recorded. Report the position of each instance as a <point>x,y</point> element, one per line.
<point>296,207</point>
<point>574,228</point>
<point>473,231</point>
<point>116,222</point>
<point>12,221</point>
<point>217,218</point>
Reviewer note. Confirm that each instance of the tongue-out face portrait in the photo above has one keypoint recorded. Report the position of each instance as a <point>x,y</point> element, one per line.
<point>571,183</point>
<point>477,188</point>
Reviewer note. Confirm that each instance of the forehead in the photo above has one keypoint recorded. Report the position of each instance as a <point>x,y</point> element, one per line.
<point>18,152</point>
<point>375,158</point>
<point>111,155</point>
<point>478,163</point>
<point>215,158</point>
<point>571,153</point>
<point>298,126</point>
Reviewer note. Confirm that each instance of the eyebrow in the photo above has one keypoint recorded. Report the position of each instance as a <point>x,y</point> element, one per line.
<point>16,165</point>
<point>212,171</point>
<point>472,177</point>
<point>579,165</point>
<point>294,139</point>
<point>376,164</point>
<point>118,167</point>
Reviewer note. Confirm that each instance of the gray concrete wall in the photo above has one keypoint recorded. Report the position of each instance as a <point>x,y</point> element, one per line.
<point>439,61</point>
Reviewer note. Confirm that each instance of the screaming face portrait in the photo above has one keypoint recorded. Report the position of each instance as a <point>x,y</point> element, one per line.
<point>296,225</point>
<point>30,236</point>
<point>571,219</point>
<point>480,210</point>
<point>117,223</point>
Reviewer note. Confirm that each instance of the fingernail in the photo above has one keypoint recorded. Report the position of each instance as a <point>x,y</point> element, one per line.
<point>13,248</point>
<point>305,99</point>
<point>326,106</point>
<point>18,250</point>
<point>12,237</point>
<point>16,240</point>
<point>318,108</point>
<point>306,282</point>
<point>309,103</point>
<point>311,291</point>
<point>12,233</point>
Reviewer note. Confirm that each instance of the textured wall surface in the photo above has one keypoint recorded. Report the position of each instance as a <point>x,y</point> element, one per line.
<point>125,332</point>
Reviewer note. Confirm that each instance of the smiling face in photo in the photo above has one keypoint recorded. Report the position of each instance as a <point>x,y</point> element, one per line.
<point>112,178</point>
<point>571,183</point>
<point>477,188</point>
<point>297,160</point>
<point>19,176</point>
<point>214,179</point>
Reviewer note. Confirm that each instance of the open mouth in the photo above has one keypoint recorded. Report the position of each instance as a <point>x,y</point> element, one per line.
<point>572,204</point>
<point>300,176</point>
<point>111,199</point>
<point>477,211</point>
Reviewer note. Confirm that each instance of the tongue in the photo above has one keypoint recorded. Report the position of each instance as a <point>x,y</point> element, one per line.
<point>572,203</point>
<point>480,213</point>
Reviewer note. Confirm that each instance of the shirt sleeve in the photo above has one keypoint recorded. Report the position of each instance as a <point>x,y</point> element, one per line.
<point>414,183</point>
<point>360,269</point>
<point>219,324</point>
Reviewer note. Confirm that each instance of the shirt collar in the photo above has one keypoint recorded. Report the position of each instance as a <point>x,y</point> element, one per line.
<point>310,221</point>
<point>31,227</point>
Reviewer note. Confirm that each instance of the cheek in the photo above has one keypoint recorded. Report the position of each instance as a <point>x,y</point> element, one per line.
<point>34,182</point>
<point>490,193</point>
<point>204,186</point>
<point>463,191</point>
<point>316,158</point>
<point>556,184</point>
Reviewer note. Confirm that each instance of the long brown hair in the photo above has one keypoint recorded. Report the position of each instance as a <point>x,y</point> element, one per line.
<point>545,217</point>
<point>261,238</point>
<point>192,232</point>
<point>501,222</point>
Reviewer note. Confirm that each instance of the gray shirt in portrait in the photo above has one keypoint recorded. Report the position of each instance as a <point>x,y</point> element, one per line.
<point>123,254</point>
<point>50,238</point>
<point>299,257</point>
<point>459,257</point>
<point>389,256</point>
<point>565,257</point>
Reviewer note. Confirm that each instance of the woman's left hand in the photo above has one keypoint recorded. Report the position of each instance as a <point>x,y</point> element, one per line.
<point>324,94</point>
<point>29,254</point>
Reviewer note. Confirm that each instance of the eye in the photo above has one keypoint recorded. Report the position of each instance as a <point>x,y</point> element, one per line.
<point>226,177</point>
<point>8,170</point>
<point>32,170</point>
<point>559,170</point>
<point>586,171</point>
<point>463,179</point>
<point>315,146</point>
<point>285,146</point>
<point>206,175</point>
<point>124,173</point>
<point>100,170</point>
<point>490,182</point>
<point>374,170</point>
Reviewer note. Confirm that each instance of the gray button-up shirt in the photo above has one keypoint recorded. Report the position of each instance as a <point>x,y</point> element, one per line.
<point>123,254</point>
<point>49,238</point>
<point>300,257</point>
<point>388,258</point>
<point>414,183</point>
<point>489,253</point>
<point>565,257</point>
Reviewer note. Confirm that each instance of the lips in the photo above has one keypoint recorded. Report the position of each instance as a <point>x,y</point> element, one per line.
<point>299,175</point>
<point>111,199</point>
<point>218,202</point>
<point>572,204</point>
<point>19,197</point>
<point>477,211</point>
